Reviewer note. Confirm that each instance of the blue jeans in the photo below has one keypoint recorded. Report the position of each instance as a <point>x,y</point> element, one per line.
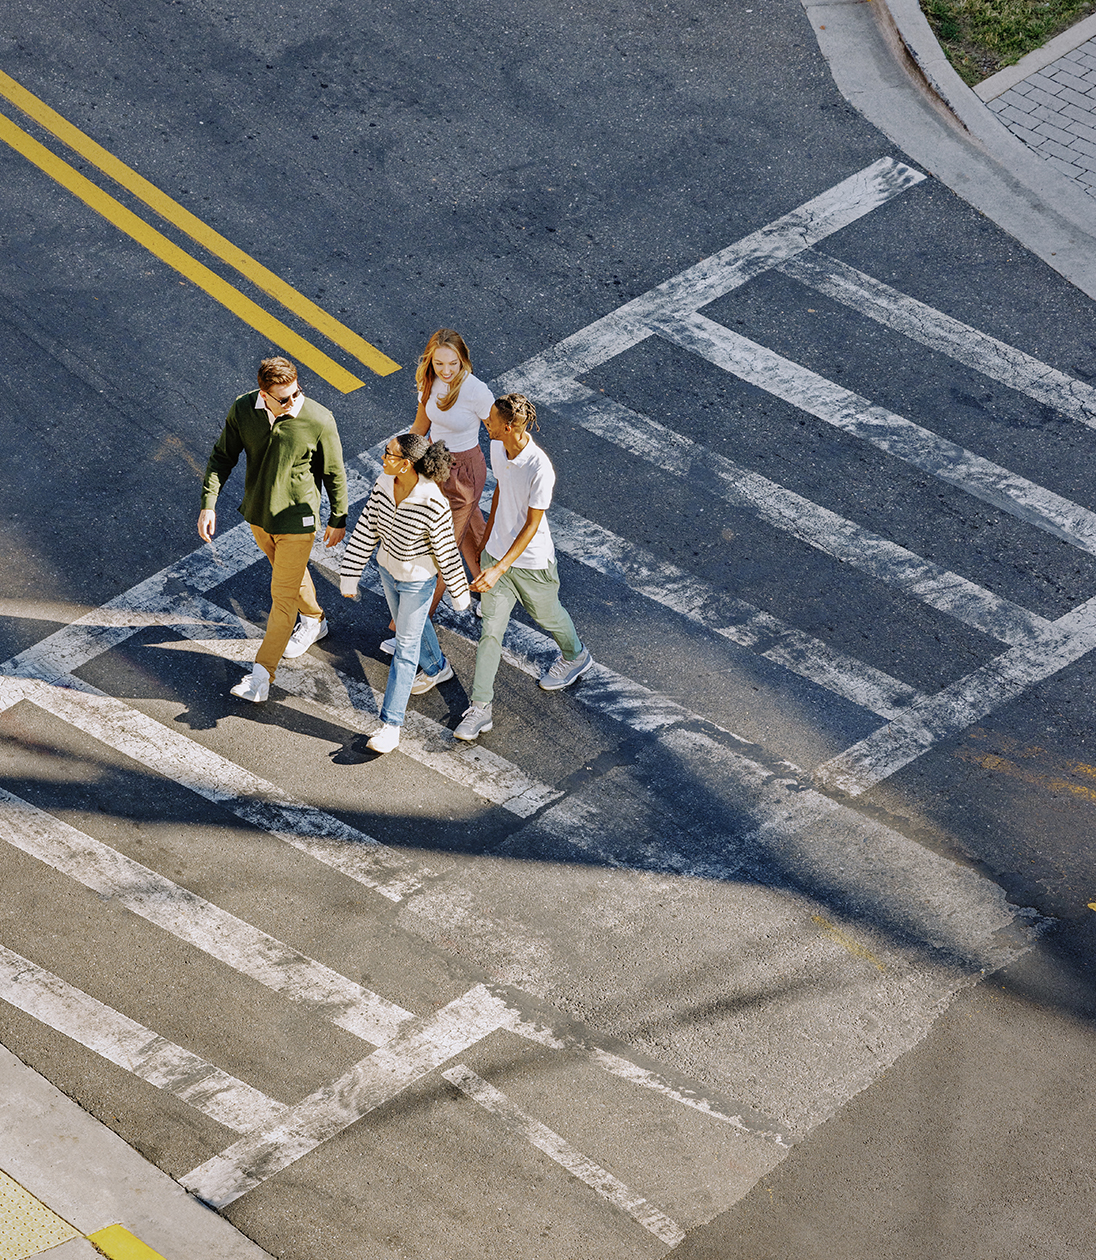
<point>416,642</point>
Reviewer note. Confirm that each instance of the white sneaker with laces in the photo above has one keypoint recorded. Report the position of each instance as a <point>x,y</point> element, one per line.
<point>425,682</point>
<point>388,647</point>
<point>308,630</point>
<point>255,687</point>
<point>384,740</point>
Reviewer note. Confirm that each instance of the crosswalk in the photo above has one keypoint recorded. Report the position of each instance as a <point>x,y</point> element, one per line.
<point>904,928</point>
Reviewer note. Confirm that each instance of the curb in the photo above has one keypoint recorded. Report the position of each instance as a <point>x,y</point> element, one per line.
<point>887,62</point>
<point>71,1183</point>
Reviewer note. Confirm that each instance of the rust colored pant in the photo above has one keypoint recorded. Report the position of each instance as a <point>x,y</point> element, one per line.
<point>463,489</point>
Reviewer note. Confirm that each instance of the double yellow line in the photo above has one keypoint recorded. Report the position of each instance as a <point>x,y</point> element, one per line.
<point>250,312</point>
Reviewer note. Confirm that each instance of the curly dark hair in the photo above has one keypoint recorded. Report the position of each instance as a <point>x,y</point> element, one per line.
<point>431,460</point>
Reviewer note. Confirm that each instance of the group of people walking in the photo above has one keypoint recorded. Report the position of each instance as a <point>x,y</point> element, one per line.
<point>422,518</point>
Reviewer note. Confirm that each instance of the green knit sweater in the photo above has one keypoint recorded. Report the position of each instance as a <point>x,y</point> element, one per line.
<point>286,463</point>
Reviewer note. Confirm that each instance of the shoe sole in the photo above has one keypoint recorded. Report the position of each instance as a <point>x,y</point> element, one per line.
<point>559,686</point>
<point>417,690</point>
<point>292,655</point>
<point>254,699</point>
<point>468,738</point>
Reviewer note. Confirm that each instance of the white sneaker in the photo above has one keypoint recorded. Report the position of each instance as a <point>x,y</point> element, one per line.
<point>308,630</point>
<point>256,686</point>
<point>388,647</point>
<point>384,739</point>
<point>476,720</point>
<point>425,682</point>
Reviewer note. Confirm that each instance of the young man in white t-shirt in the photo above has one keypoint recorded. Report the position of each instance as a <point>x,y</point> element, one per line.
<point>525,570</point>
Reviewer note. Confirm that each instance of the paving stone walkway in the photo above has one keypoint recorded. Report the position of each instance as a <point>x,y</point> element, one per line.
<point>1053,108</point>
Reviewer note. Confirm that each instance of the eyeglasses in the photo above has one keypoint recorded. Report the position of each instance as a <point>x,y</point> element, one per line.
<point>389,455</point>
<point>287,401</point>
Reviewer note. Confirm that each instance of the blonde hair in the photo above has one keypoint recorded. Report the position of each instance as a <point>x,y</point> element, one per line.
<point>425,375</point>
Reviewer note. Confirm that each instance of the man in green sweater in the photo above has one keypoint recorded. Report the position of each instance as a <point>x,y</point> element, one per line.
<point>292,446</point>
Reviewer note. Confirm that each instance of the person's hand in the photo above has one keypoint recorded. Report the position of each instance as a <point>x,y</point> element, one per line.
<point>332,537</point>
<point>207,524</point>
<point>486,579</point>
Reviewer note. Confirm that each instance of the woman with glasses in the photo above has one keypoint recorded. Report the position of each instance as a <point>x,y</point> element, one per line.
<point>408,518</point>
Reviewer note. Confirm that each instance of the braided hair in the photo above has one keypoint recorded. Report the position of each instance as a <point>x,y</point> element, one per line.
<point>517,411</point>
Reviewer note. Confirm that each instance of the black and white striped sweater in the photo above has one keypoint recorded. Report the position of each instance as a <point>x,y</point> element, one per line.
<point>415,539</point>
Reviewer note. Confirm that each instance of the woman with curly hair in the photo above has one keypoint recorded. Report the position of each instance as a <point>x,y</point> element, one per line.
<point>408,519</point>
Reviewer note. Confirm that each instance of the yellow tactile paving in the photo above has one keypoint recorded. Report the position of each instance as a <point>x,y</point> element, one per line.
<point>28,1227</point>
<point>117,1243</point>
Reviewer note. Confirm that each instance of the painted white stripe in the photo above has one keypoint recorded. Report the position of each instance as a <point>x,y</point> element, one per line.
<point>563,1153</point>
<point>892,433</point>
<point>992,358</point>
<point>152,601</point>
<point>711,278</point>
<point>83,1019</point>
<point>256,801</point>
<point>734,619</point>
<point>735,1115</point>
<point>419,1048</point>
<point>191,918</point>
<point>817,526</point>
<point>944,715</point>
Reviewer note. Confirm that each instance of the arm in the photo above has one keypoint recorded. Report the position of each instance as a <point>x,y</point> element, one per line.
<point>222,459</point>
<point>334,481</point>
<point>364,538</point>
<point>490,576</point>
<point>443,549</point>
<point>422,420</point>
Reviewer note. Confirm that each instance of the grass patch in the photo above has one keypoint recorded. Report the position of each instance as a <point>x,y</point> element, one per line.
<point>981,37</point>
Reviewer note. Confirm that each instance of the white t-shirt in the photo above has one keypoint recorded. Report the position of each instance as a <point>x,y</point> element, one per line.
<point>458,427</point>
<point>525,482</point>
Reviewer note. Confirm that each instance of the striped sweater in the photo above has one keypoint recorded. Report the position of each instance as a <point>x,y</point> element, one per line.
<point>416,539</point>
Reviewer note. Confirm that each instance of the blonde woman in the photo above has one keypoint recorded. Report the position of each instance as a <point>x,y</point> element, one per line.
<point>452,405</point>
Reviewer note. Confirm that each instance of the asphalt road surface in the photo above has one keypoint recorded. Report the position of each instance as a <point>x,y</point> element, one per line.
<point>772,937</point>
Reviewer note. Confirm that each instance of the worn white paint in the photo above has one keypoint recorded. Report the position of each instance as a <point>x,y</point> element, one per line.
<point>563,1153</point>
<point>82,1018</point>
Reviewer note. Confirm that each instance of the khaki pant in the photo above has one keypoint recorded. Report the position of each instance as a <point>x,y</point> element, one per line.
<point>537,590</point>
<point>291,591</point>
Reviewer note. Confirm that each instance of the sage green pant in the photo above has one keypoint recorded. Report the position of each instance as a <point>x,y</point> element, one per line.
<point>537,590</point>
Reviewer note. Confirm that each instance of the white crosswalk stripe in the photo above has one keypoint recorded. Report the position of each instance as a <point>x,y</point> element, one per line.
<point>223,936</point>
<point>148,1056</point>
<point>883,429</point>
<point>555,1147</point>
<point>921,323</point>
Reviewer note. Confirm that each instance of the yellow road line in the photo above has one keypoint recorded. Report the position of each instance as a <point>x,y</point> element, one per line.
<point>250,312</point>
<point>196,229</point>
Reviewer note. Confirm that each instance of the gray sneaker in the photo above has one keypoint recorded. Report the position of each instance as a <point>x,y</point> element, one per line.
<point>563,673</point>
<point>476,720</point>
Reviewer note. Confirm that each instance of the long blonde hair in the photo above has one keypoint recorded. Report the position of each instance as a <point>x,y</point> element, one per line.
<point>425,375</point>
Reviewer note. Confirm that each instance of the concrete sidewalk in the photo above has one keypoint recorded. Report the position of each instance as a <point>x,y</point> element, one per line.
<point>70,1189</point>
<point>886,61</point>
